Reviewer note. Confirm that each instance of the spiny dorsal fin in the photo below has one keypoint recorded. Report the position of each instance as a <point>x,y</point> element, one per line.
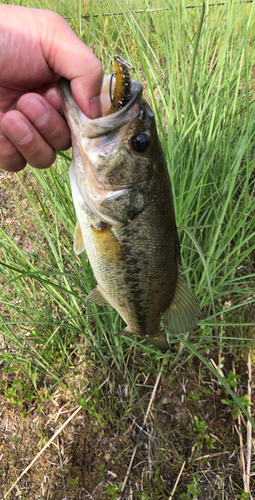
<point>78,243</point>
<point>183,313</point>
<point>96,297</point>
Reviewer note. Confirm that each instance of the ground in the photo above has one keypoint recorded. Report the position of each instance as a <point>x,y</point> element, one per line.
<point>91,455</point>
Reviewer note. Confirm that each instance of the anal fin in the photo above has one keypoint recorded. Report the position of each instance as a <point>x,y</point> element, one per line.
<point>125,331</point>
<point>183,313</point>
<point>96,297</point>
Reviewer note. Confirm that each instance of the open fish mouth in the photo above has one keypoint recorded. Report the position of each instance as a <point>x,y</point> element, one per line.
<point>122,103</point>
<point>107,123</point>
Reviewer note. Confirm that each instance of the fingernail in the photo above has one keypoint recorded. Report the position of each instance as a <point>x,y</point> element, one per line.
<point>35,110</point>
<point>95,108</point>
<point>16,129</point>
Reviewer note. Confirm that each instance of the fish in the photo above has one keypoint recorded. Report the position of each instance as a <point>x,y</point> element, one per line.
<point>125,212</point>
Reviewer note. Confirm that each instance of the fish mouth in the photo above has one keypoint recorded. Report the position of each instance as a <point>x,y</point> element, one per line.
<point>107,123</point>
<point>103,157</point>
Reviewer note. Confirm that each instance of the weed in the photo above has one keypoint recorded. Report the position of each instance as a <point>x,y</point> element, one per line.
<point>243,496</point>
<point>193,490</point>
<point>201,435</point>
<point>194,397</point>
<point>244,400</point>
<point>114,491</point>
<point>98,423</point>
<point>102,470</point>
<point>74,482</point>
<point>232,380</point>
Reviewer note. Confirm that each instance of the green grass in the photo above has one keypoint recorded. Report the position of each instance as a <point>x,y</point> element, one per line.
<point>200,83</point>
<point>201,90</point>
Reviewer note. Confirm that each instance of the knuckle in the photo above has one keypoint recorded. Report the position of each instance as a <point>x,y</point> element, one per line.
<point>57,134</point>
<point>61,137</point>
<point>53,16</point>
<point>96,69</point>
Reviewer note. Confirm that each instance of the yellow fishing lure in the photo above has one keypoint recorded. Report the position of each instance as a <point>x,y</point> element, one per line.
<point>122,91</point>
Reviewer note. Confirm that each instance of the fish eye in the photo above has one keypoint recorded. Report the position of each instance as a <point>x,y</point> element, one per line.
<point>141,142</point>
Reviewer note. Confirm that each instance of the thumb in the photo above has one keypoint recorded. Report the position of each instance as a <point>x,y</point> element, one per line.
<point>69,57</point>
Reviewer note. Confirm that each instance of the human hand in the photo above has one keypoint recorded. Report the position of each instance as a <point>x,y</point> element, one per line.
<point>37,47</point>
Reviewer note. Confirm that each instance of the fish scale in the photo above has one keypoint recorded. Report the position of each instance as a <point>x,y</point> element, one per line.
<point>125,217</point>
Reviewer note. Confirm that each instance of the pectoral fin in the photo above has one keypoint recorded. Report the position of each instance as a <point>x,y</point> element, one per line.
<point>78,243</point>
<point>183,313</point>
<point>96,297</point>
<point>107,243</point>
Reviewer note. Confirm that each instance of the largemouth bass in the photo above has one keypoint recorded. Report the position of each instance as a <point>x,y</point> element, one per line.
<point>125,214</point>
